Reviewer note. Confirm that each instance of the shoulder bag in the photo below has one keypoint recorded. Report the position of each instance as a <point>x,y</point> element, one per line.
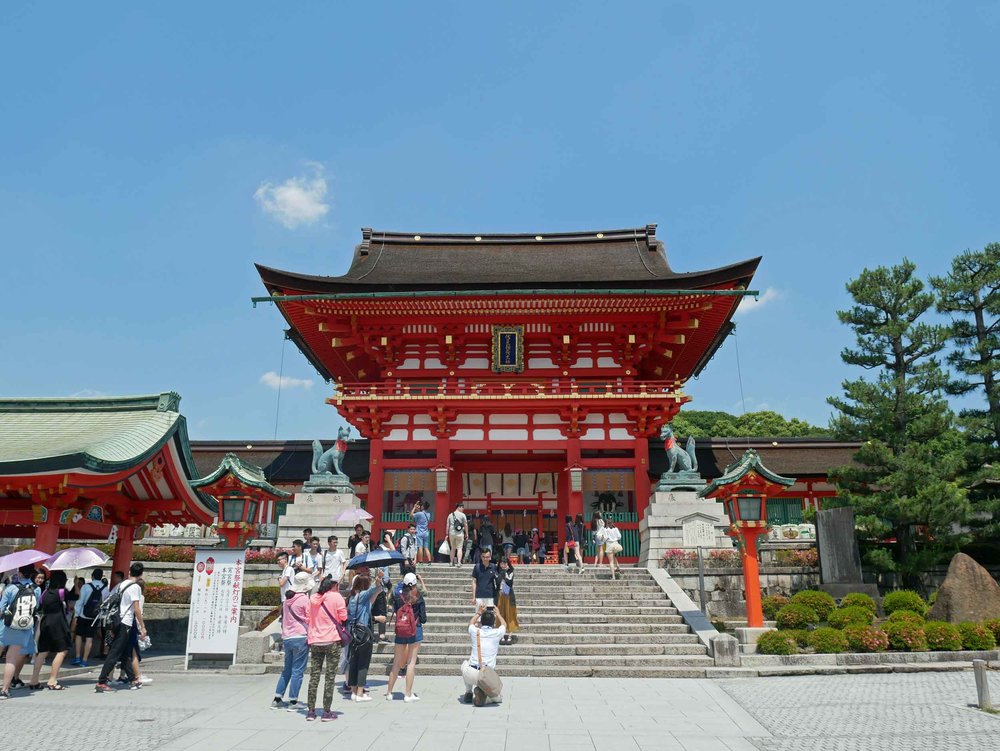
<point>489,682</point>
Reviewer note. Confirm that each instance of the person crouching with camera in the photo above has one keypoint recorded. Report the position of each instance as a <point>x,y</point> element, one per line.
<point>482,685</point>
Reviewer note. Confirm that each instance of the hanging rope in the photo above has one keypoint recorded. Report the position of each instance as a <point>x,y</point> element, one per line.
<point>281,374</point>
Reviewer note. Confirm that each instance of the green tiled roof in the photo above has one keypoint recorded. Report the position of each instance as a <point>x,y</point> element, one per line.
<point>749,462</point>
<point>96,434</point>
<point>248,474</point>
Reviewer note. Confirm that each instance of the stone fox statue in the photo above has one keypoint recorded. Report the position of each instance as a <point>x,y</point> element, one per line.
<point>330,461</point>
<point>680,459</point>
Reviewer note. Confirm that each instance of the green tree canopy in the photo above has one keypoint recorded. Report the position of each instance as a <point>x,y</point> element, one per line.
<point>762,424</point>
<point>906,480</point>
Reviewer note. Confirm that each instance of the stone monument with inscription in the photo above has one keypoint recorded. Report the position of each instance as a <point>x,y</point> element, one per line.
<point>839,559</point>
<point>325,495</point>
<point>676,517</point>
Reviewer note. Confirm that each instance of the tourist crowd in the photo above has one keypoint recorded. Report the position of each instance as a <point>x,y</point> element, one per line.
<point>42,616</point>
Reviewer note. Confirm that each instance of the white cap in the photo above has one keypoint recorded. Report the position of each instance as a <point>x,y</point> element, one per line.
<point>410,579</point>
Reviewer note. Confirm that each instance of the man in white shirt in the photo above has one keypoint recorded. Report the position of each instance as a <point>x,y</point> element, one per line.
<point>456,524</point>
<point>129,613</point>
<point>364,545</point>
<point>286,576</point>
<point>485,635</point>
<point>333,560</point>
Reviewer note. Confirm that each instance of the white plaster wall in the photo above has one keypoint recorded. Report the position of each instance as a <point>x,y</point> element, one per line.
<point>508,435</point>
<point>477,363</point>
<point>422,434</point>
<point>468,434</point>
<point>469,419</point>
<point>502,419</point>
<point>547,434</point>
<point>399,434</point>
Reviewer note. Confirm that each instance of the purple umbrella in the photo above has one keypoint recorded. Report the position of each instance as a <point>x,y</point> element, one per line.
<point>21,558</point>
<point>353,515</point>
<point>72,559</point>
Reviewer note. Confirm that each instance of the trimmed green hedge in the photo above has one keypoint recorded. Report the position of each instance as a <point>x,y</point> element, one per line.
<point>851,616</point>
<point>776,643</point>
<point>976,636</point>
<point>173,595</point>
<point>906,637</point>
<point>794,616</point>
<point>772,604</point>
<point>820,602</point>
<point>904,599</point>
<point>943,637</point>
<point>828,640</point>
<point>866,638</point>
<point>906,616</point>
<point>858,600</point>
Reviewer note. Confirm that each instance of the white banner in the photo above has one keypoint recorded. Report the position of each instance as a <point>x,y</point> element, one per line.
<point>216,597</point>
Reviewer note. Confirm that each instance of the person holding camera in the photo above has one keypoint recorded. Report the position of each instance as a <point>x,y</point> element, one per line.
<point>486,629</point>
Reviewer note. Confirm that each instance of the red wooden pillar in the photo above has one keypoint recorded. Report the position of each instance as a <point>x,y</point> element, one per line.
<point>751,578</point>
<point>641,476</point>
<point>574,504</point>
<point>376,483</point>
<point>122,558</point>
<point>47,533</point>
<point>442,498</point>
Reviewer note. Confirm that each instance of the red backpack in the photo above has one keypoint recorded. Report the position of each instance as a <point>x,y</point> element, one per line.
<point>406,622</point>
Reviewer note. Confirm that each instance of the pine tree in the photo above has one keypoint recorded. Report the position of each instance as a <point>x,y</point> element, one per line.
<point>904,482</point>
<point>970,293</point>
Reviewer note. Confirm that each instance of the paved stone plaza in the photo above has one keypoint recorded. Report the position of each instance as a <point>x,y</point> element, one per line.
<point>215,712</point>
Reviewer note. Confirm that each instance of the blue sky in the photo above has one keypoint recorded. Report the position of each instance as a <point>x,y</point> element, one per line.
<point>152,155</point>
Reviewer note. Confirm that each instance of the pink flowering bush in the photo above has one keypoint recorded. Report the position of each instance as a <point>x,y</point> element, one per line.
<point>680,558</point>
<point>808,558</point>
<point>866,638</point>
<point>724,558</point>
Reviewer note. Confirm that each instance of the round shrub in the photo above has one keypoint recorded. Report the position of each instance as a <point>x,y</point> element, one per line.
<point>772,604</point>
<point>776,643</point>
<point>828,641</point>
<point>942,637</point>
<point>906,637</point>
<point>976,636</point>
<point>820,602</point>
<point>994,625</point>
<point>906,616</point>
<point>796,616</point>
<point>800,635</point>
<point>851,616</point>
<point>904,599</point>
<point>858,600</point>
<point>866,639</point>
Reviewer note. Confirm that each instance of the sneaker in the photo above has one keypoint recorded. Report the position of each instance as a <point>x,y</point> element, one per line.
<point>277,703</point>
<point>293,706</point>
<point>363,697</point>
<point>411,697</point>
<point>103,688</point>
<point>467,699</point>
<point>135,686</point>
<point>145,679</point>
<point>479,697</point>
<point>311,715</point>
<point>389,697</point>
<point>328,716</point>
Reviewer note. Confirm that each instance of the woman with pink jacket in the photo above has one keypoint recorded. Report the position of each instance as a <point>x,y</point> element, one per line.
<point>327,612</point>
<point>294,626</point>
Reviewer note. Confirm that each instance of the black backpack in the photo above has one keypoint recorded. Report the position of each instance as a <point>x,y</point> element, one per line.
<point>93,604</point>
<point>109,613</point>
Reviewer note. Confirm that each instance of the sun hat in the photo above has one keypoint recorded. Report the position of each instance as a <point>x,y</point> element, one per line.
<point>409,580</point>
<point>302,582</point>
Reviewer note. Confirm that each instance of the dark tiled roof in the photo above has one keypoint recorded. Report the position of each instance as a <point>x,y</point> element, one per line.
<point>612,259</point>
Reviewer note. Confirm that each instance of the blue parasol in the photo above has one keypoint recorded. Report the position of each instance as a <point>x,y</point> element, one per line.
<point>377,558</point>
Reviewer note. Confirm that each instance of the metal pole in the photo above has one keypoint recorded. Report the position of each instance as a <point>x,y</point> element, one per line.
<point>982,684</point>
<point>701,582</point>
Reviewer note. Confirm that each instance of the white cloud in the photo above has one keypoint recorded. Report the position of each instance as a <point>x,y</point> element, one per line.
<point>88,394</point>
<point>275,381</point>
<point>297,201</point>
<point>749,304</point>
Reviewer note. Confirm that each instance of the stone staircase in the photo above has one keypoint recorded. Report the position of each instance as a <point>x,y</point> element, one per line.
<point>572,625</point>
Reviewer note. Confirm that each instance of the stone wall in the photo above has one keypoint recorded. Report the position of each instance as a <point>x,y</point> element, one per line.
<point>180,574</point>
<point>724,586</point>
<point>167,624</point>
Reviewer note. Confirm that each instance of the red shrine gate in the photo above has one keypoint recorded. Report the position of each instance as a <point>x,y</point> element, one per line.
<point>516,372</point>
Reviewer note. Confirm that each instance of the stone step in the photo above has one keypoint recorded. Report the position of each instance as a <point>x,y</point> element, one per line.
<point>524,671</point>
<point>525,611</point>
<point>617,619</point>
<point>622,629</point>
<point>461,649</point>
<point>570,661</point>
<point>681,636</point>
